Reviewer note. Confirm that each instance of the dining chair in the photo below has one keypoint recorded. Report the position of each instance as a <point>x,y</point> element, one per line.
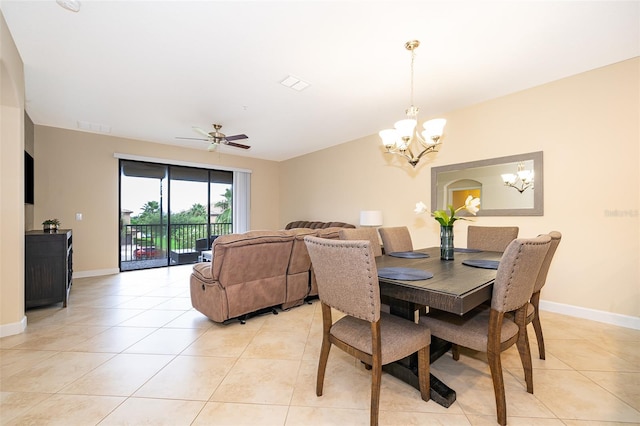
<point>347,280</point>
<point>532,307</point>
<point>486,328</point>
<point>368,233</point>
<point>371,234</point>
<point>395,239</point>
<point>490,238</point>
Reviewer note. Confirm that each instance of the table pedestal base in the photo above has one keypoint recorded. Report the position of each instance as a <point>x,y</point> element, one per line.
<point>407,369</point>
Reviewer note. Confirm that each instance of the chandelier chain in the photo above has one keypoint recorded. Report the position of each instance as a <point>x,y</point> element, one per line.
<point>413,56</point>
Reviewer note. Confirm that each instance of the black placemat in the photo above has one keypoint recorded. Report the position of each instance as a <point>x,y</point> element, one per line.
<point>406,274</point>
<point>480,263</point>
<point>466,250</point>
<point>409,254</point>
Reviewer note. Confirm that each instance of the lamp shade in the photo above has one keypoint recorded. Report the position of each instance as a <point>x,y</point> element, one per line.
<point>434,128</point>
<point>405,127</point>
<point>370,218</point>
<point>389,137</point>
<point>526,175</point>
<point>509,178</point>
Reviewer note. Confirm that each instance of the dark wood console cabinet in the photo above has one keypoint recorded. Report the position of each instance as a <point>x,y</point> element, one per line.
<point>48,267</point>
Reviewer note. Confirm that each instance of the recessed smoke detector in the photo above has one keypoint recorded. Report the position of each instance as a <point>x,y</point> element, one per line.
<point>294,83</point>
<point>72,5</point>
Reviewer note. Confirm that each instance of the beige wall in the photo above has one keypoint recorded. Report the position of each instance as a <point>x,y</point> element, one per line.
<point>76,172</point>
<point>588,127</point>
<point>12,318</point>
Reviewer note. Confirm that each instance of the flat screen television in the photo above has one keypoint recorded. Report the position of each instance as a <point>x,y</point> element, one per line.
<point>28,178</point>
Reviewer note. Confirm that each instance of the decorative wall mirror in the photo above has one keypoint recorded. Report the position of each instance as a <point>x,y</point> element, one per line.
<point>506,186</point>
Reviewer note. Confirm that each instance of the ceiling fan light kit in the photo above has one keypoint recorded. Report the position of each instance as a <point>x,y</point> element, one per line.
<point>217,137</point>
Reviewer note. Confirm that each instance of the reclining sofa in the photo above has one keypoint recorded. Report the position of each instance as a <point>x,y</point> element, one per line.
<point>255,271</point>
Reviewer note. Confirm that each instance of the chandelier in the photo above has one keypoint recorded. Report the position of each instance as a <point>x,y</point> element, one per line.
<point>522,180</point>
<point>404,139</point>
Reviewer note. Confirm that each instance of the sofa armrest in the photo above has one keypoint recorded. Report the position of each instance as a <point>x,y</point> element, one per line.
<point>203,272</point>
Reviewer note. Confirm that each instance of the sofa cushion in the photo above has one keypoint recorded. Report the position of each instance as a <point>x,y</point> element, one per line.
<point>317,225</point>
<point>203,271</point>
<point>332,232</point>
<point>266,252</point>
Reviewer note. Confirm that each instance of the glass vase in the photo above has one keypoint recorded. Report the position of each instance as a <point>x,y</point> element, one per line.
<point>446,242</point>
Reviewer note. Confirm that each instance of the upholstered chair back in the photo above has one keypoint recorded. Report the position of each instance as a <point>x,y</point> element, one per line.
<point>396,239</point>
<point>367,233</point>
<point>544,270</point>
<point>491,238</point>
<point>518,272</point>
<point>352,290</point>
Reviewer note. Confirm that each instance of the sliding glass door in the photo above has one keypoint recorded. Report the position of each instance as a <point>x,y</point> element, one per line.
<point>143,215</point>
<point>170,214</point>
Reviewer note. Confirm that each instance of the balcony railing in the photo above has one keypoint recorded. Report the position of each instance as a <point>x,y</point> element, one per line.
<point>145,242</point>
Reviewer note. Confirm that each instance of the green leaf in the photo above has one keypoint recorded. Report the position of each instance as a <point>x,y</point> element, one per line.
<point>453,213</point>
<point>442,217</point>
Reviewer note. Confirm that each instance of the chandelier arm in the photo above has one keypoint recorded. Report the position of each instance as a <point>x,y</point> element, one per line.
<point>523,187</point>
<point>410,158</point>
<point>427,150</point>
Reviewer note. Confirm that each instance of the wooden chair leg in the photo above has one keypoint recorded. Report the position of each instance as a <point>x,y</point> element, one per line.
<point>423,374</point>
<point>537,327</point>
<point>322,366</point>
<point>376,380</point>
<point>523,348</point>
<point>455,351</point>
<point>495,365</point>
<point>324,350</point>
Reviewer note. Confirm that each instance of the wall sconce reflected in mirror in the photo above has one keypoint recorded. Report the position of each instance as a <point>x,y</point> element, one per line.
<point>522,180</point>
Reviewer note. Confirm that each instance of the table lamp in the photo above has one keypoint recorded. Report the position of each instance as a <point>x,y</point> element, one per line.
<point>370,218</point>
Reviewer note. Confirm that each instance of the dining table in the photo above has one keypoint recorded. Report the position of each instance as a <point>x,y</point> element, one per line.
<point>413,282</point>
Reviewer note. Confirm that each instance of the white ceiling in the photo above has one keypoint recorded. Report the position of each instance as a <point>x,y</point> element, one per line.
<point>151,70</point>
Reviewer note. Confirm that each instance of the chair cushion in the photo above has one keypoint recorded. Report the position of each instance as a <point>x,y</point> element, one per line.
<point>469,330</point>
<point>399,337</point>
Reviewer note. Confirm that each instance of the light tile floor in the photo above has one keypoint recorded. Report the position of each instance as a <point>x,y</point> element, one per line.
<point>129,349</point>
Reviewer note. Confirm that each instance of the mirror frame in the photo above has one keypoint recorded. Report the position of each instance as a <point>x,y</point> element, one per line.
<point>538,196</point>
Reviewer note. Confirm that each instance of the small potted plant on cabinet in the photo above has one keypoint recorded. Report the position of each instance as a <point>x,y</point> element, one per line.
<point>50,225</point>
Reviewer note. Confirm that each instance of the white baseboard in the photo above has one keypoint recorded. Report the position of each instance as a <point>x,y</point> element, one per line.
<point>95,273</point>
<point>591,314</point>
<point>13,328</point>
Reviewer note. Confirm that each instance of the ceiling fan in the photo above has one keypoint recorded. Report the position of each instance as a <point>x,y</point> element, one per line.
<point>216,138</point>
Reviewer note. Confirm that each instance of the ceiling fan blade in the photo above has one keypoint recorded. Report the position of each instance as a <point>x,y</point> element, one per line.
<point>236,137</point>
<point>202,132</point>
<point>193,139</point>
<point>237,145</point>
